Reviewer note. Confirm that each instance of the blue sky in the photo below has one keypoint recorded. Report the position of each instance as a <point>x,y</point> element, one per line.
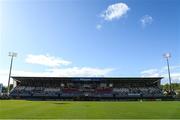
<point>96,38</point>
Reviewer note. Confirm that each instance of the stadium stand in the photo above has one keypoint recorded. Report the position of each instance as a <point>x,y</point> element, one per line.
<point>86,87</point>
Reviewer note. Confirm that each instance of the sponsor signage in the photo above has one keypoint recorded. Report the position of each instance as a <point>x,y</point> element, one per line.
<point>87,79</point>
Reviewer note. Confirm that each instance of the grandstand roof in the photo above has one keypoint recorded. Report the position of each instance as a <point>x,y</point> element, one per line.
<point>19,78</point>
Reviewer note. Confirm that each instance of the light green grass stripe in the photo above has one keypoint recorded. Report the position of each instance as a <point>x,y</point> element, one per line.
<point>22,109</point>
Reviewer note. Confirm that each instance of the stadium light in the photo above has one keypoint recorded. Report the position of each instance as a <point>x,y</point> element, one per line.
<point>12,55</point>
<point>167,56</point>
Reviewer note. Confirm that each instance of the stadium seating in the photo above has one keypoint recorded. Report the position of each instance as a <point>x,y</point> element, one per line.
<point>73,88</point>
<point>23,91</point>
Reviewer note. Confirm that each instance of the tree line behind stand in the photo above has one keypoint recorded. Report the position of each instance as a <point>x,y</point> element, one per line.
<point>175,87</point>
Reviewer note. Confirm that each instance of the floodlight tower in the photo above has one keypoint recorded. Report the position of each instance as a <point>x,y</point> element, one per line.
<point>167,56</point>
<point>12,55</point>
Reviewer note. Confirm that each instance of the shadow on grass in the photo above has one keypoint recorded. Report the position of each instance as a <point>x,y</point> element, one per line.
<point>61,103</point>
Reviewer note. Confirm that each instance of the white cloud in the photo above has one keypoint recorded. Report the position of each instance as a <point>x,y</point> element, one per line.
<point>151,73</point>
<point>53,69</point>
<point>146,20</point>
<point>81,71</point>
<point>162,72</point>
<point>115,11</point>
<point>46,60</point>
<point>176,77</point>
<point>98,26</point>
<point>58,72</point>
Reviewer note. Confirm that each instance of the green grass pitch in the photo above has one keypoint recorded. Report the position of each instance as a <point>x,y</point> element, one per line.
<point>22,109</point>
